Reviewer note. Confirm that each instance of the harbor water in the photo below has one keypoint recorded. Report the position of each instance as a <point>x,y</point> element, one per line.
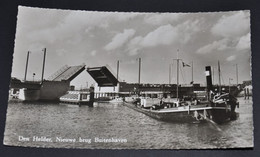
<point>115,126</point>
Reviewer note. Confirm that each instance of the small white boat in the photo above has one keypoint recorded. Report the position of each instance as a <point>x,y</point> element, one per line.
<point>78,97</point>
<point>116,100</point>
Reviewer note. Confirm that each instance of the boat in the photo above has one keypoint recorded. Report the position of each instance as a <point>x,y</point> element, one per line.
<point>78,97</point>
<point>181,114</point>
<point>131,99</point>
<point>116,100</point>
<point>219,108</point>
<point>109,99</point>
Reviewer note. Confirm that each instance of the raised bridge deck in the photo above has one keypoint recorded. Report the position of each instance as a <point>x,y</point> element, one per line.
<point>103,76</point>
<point>66,73</point>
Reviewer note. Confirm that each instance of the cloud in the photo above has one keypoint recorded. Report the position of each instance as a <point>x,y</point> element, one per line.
<point>61,52</point>
<point>134,51</point>
<point>231,58</point>
<point>232,26</point>
<point>93,53</point>
<point>165,35</point>
<point>120,39</point>
<point>244,42</point>
<point>135,41</point>
<point>36,47</point>
<point>44,17</point>
<point>69,24</point>
<point>133,47</point>
<point>87,54</point>
<point>227,44</point>
<point>162,18</point>
<point>88,29</point>
<point>220,45</point>
<point>122,17</point>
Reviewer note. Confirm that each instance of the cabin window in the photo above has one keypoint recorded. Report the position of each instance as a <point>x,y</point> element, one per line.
<point>84,96</point>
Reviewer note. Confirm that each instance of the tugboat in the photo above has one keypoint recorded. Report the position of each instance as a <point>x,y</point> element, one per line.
<point>224,103</point>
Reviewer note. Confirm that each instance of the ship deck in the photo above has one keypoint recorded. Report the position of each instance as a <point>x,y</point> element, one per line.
<point>184,113</point>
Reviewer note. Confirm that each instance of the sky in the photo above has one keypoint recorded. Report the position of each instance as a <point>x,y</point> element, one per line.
<point>102,38</point>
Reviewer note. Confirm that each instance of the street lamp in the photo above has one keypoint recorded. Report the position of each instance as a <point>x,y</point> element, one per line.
<point>33,76</point>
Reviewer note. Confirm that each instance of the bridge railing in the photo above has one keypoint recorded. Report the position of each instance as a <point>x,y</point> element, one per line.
<point>66,74</point>
<point>73,71</point>
<point>59,72</point>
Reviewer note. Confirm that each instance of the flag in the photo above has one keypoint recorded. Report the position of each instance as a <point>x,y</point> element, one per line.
<point>185,65</point>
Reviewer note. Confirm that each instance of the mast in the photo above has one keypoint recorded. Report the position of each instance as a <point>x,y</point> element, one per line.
<point>43,64</point>
<point>192,81</point>
<point>26,66</point>
<point>177,79</point>
<point>170,73</point>
<point>212,74</point>
<point>237,73</point>
<point>177,89</point>
<point>192,72</point>
<point>117,71</point>
<point>139,76</point>
<point>219,77</point>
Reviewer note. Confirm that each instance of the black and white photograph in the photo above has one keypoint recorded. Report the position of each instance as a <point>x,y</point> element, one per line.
<point>130,80</point>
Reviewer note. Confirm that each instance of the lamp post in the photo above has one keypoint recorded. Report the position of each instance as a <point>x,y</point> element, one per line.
<point>33,76</point>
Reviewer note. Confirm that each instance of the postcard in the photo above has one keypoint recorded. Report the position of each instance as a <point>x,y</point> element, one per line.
<point>130,80</point>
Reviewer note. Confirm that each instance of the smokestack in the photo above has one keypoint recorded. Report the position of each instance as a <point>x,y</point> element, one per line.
<point>208,78</point>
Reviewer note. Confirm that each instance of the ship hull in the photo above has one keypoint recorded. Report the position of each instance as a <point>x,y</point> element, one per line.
<point>185,114</point>
<point>88,103</point>
<point>220,115</point>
